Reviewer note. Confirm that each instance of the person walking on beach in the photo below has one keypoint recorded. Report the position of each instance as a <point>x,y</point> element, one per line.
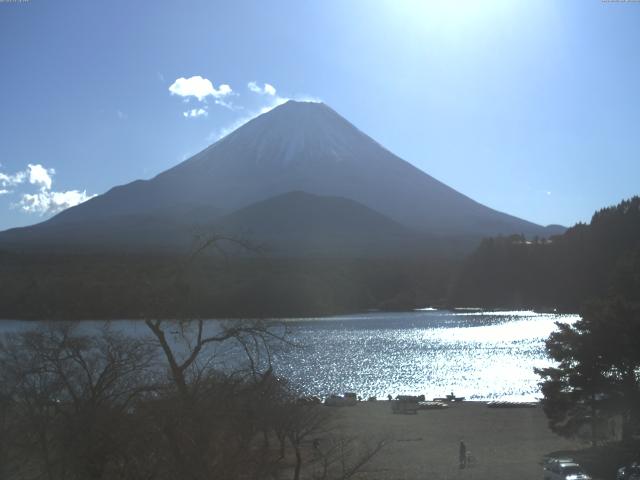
<point>462,454</point>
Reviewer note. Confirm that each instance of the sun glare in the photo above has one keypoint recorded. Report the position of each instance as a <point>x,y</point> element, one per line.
<point>448,15</point>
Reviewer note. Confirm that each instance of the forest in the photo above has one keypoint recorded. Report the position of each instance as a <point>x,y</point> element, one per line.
<point>588,261</point>
<point>76,287</point>
<point>560,273</point>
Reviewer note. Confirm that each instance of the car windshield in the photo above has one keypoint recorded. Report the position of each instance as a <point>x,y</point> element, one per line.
<point>571,470</point>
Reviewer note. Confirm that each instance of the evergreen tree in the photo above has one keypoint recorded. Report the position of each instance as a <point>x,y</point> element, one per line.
<point>598,372</point>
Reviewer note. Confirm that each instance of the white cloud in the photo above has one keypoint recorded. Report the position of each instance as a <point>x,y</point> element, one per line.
<point>46,201</point>
<point>307,98</point>
<point>38,175</point>
<point>267,89</point>
<point>121,115</point>
<point>253,86</point>
<point>12,180</point>
<point>195,112</point>
<point>226,104</point>
<point>198,87</point>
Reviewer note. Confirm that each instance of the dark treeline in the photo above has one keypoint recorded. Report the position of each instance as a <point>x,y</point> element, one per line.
<point>504,272</point>
<point>36,286</point>
<point>588,261</point>
<point>106,406</point>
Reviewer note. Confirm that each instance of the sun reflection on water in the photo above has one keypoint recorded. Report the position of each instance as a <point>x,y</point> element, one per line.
<point>479,355</point>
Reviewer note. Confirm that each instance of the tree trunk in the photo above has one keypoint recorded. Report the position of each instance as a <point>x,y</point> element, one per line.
<point>627,427</point>
<point>594,426</point>
<point>282,440</point>
<point>296,473</point>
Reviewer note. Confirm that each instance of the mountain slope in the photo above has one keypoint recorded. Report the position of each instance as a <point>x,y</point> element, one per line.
<point>292,224</point>
<point>297,146</point>
<point>169,229</point>
<point>299,223</point>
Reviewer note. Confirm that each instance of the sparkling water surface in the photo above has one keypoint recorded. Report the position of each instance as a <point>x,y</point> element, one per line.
<point>480,355</point>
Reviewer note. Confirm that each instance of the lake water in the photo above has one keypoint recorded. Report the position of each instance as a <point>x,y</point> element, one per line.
<point>479,355</point>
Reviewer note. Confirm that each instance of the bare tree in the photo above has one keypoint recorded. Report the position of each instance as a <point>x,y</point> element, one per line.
<point>342,456</point>
<point>184,352</point>
<point>70,396</point>
<point>331,455</point>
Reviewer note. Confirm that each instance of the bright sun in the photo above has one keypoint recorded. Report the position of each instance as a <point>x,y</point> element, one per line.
<point>449,14</point>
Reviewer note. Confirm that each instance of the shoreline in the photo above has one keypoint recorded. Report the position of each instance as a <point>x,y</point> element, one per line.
<point>303,317</point>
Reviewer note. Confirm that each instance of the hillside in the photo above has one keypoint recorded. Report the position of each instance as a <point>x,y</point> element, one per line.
<point>587,261</point>
<point>301,224</point>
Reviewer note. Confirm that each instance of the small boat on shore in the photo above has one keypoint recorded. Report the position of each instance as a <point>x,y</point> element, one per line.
<point>452,398</point>
<point>432,405</point>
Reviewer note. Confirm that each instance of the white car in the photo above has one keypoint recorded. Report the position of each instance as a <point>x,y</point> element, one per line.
<point>631,472</point>
<point>559,469</point>
<point>550,462</point>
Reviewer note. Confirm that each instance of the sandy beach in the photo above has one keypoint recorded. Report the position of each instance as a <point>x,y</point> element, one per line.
<point>506,443</point>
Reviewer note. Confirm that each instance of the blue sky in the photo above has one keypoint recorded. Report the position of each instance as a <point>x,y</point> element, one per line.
<point>530,107</point>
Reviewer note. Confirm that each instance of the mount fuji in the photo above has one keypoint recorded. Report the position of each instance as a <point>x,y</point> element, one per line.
<point>297,171</point>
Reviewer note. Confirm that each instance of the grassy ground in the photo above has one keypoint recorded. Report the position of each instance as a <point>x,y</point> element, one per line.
<point>506,443</point>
